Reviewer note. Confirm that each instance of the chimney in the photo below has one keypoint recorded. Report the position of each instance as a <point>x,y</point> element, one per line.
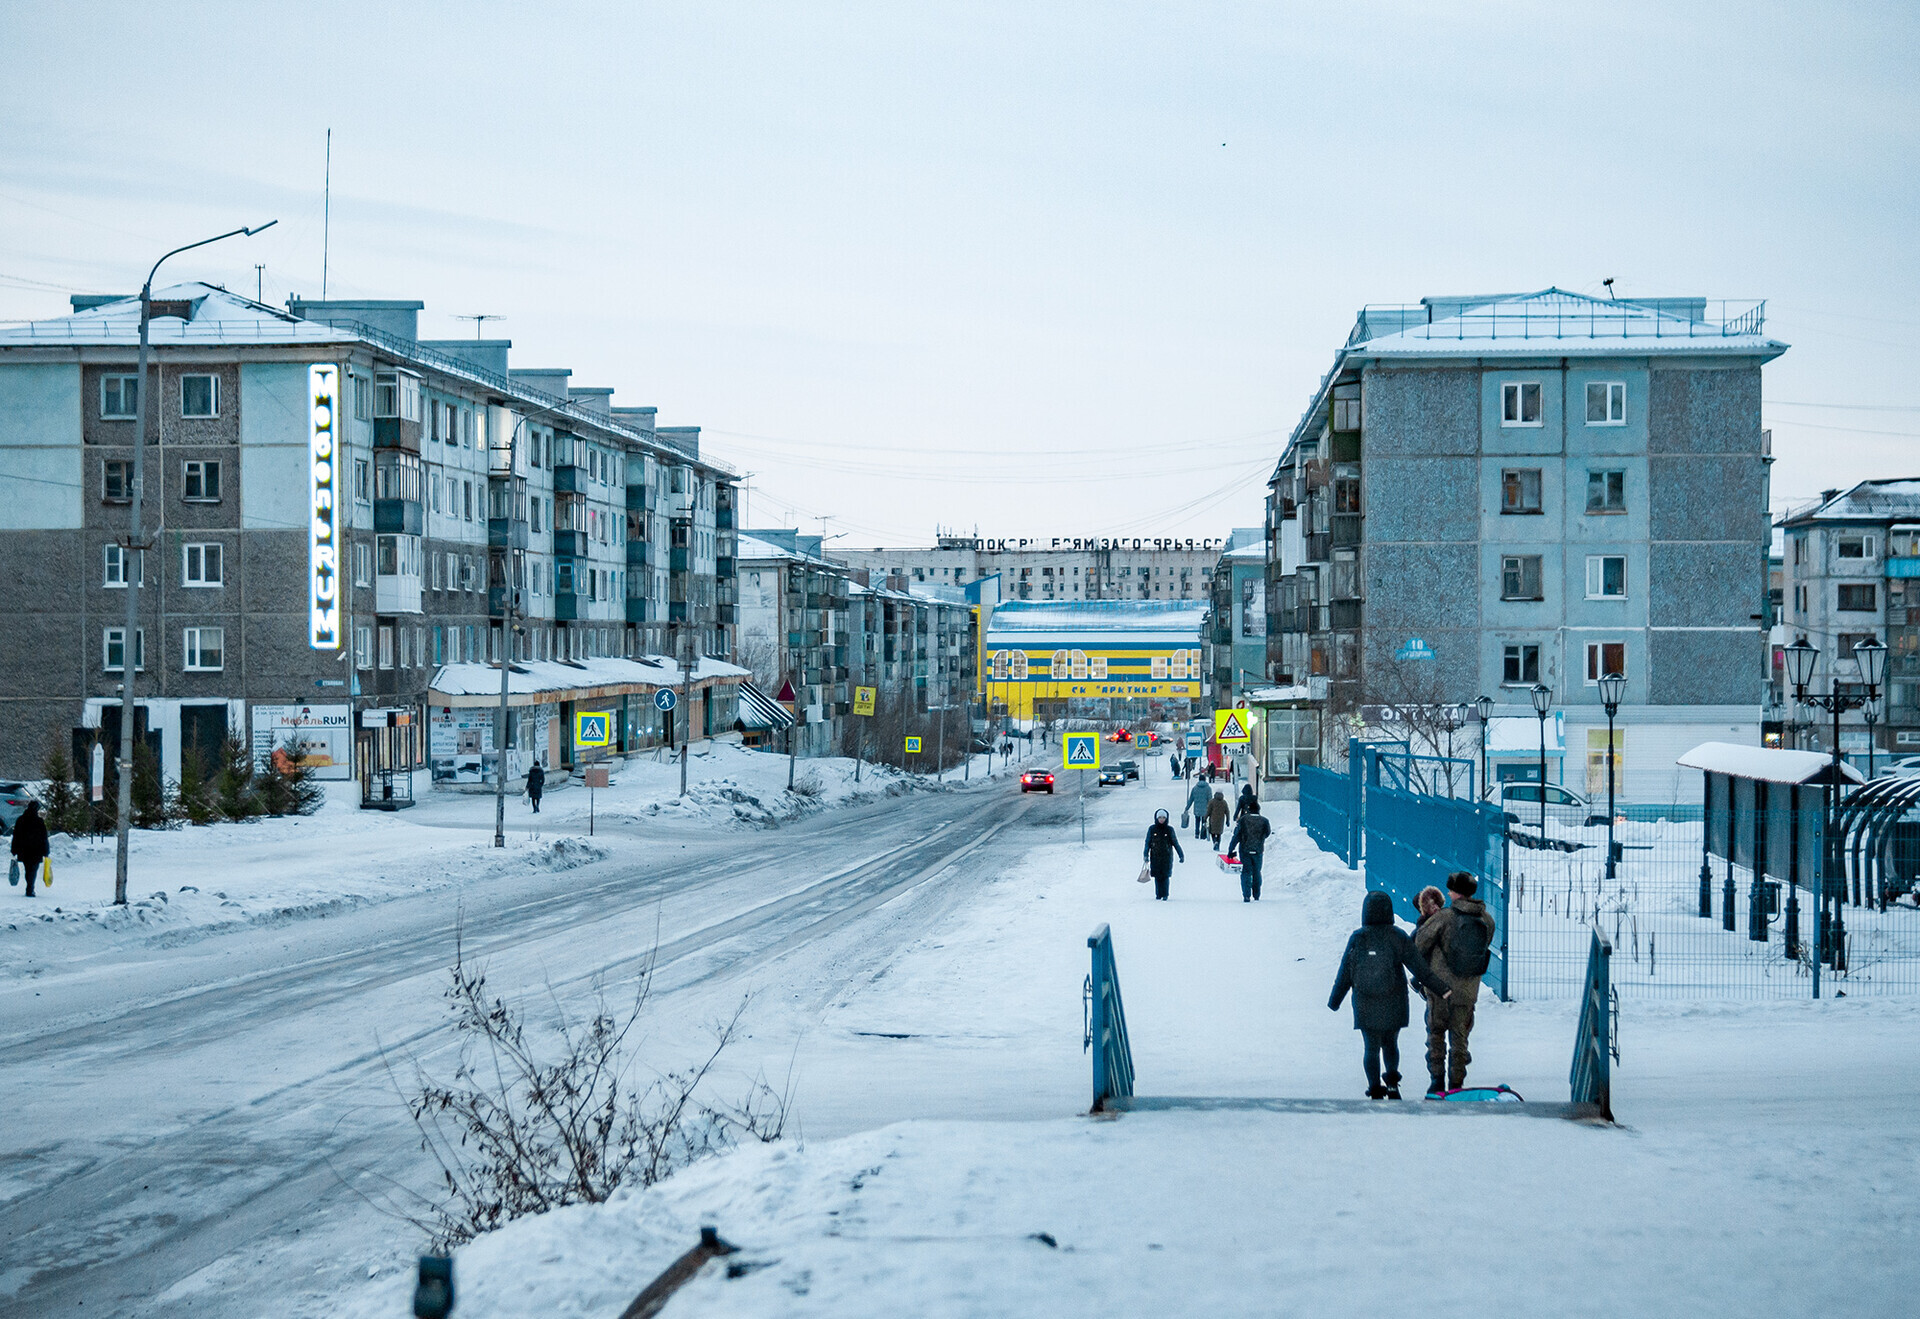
<point>1828,496</point>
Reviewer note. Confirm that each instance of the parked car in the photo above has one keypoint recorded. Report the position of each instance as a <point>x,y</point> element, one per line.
<point>1906,767</point>
<point>1521,802</point>
<point>1037,780</point>
<point>1113,775</point>
<point>13,801</point>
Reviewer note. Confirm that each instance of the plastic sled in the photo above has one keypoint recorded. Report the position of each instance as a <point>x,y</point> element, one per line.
<point>1496,1094</point>
<point>1229,864</point>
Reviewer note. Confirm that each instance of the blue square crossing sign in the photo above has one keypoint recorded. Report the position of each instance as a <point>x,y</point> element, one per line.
<point>913,746</point>
<point>592,730</point>
<point>1082,751</point>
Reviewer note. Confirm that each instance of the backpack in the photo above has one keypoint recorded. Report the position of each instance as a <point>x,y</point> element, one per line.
<point>1466,947</point>
<point>1376,971</point>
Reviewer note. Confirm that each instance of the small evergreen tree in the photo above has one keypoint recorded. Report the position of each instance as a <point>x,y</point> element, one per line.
<point>287,786</point>
<point>155,801</point>
<point>61,799</point>
<point>234,786</point>
<point>199,802</point>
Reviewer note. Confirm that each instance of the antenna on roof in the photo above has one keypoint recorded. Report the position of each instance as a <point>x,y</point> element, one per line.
<point>478,319</point>
<point>1607,283</point>
<point>259,282</point>
<point>326,218</point>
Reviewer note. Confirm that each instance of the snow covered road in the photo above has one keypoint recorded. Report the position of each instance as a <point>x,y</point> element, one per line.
<point>195,1124</point>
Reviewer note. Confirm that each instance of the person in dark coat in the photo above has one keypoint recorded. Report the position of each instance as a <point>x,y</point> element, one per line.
<point>1163,842</point>
<point>536,784</point>
<point>1375,966</point>
<point>1217,818</point>
<point>1197,799</point>
<point>30,842</point>
<point>1246,799</point>
<point>1250,840</point>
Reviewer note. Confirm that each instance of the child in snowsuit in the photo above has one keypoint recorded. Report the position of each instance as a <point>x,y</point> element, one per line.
<point>1375,966</point>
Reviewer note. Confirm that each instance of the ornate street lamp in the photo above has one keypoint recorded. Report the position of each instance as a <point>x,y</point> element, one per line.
<point>1612,688</point>
<point>1542,702</point>
<point>1484,706</point>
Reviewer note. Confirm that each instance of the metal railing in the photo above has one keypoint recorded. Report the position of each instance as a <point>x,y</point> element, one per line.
<point>1562,316</point>
<point>1325,810</point>
<point>1596,1045</point>
<point>1106,1024</point>
<point>1414,840</point>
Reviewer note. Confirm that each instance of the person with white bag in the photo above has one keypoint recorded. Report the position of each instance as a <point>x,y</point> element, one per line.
<point>1163,843</point>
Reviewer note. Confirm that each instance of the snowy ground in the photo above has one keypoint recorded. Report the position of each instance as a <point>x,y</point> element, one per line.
<point>1765,1163</point>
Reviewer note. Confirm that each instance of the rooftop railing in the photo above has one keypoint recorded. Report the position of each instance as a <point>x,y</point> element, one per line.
<point>1595,319</point>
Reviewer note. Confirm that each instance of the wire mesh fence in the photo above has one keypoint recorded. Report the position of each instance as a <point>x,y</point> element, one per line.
<point>1696,910</point>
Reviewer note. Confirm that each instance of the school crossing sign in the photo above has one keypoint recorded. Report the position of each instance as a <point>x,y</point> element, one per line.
<point>1232,726</point>
<point>1082,751</point>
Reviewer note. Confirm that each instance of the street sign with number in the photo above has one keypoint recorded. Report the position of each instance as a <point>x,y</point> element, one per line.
<point>1082,751</point>
<point>664,699</point>
<point>863,700</point>
<point>592,730</point>
<point>913,746</point>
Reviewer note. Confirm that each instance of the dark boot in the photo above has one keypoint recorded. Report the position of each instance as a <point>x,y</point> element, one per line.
<point>1392,1080</point>
<point>1376,1092</point>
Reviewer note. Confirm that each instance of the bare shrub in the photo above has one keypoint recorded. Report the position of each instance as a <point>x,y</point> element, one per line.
<point>808,785</point>
<point>525,1125</point>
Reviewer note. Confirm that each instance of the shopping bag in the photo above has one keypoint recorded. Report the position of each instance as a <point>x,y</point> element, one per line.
<point>46,873</point>
<point>1185,817</point>
<point>13,872</point>
<point>1144,875</point>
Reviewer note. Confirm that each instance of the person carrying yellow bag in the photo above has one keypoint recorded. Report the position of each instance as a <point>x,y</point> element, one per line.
<point>30,846</point>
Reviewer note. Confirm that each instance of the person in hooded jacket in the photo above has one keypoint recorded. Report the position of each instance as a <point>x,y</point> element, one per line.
<point>1246,799</point>
<point>1375,966</point>
<point>1163,842</point>
<point>1450,1019</point>
<point>536,784</point>
<point>30,842</point>
<point>1217,814</point>
<point>1250,840</point>
<point>1197,799</point>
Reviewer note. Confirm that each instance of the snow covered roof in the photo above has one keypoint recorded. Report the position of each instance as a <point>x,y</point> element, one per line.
<point>1247,552</point>
<point>1571,324</point>
<point>1173,618</point>
<point>1277,695</point>
<point>215,317</point>
<point>540,682</point>
<point>1897,498</point>
<point>1766,764</point>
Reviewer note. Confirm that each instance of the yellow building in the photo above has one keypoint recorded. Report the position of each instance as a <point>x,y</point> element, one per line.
<point>1123,659</point>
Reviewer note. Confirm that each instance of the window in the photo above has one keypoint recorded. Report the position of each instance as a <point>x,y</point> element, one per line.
<point>466,572</point>
<point>1604,657</point>
<point>1521,666</point>
<point>396,394</point>
<point>201,565</point>
<point>1858,599</point>
<point>201,482</point>
<point>113,647</point>
<point>1606,403</point>
<point>1606,492</point>
<point>406,649</point>
<point>363,647</point>
<point>1520,404</point>
<point>536,513</point>
<point>115,572</point>
<point>199,396</point>
<point>434,568</point>
<point>1849,641</point>
<point>362,565</point>
<point>116,482</point>
<point>387,556</point>
<point>119,395</point>
<point>1520,490</point>
<point>466,501</point>
<point>1799,599</point>
<point>1606,577</point>
<point>1520,577</point>
<point>362,481</point>
<point>1856,547</point>
<point>386,645</point>
<point>362,398</point>
<point>202,646</point>
<point>1799,549</point>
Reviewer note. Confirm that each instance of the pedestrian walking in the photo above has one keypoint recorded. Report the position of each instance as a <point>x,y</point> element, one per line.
<point>1217,814</point>
<point>536,784</point>
<point>1161,847</point>
<point>30,843</point>
<point>1198,799</point>
<point>1456,944</point>
<point>1375,966</point>
<point>1250,840</point>
<point>1246,799</point>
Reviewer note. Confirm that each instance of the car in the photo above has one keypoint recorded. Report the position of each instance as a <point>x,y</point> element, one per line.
<point>1120,735</point>
<point>1131,768</point>
<point>13,802</point>
<point>1113,774</point>
<point>1037,780</point>
<point>1521,803</point>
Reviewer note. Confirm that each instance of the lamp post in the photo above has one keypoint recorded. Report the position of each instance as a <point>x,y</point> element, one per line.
<point>1801,658</point>
<point>132,565</point>
<point>1484,707</point>
<point>1542,702</point>
<point>1872,715</point>
<point>1612,688</point>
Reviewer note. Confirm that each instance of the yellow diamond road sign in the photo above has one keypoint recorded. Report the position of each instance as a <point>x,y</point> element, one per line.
<point>1231,726</point>
<point>913,746</point>
<point>1082,751</point>
<point>863,700</point>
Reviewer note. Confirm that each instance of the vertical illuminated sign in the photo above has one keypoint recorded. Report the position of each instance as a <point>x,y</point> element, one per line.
<point>323,535</point>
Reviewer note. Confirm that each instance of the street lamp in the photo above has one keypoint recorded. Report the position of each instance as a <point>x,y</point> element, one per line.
<point>131,565</point>
<point>1872,715</point>
<point>1542,702</point>
<point>1484,707</point>
<point>1872,659</point>
<point>1612,688</point>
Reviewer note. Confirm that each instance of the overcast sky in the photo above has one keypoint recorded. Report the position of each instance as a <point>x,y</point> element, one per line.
<point>1039,269</point>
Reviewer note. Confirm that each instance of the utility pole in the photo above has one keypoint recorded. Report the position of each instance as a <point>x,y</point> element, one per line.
<point>793,734</point>
<point>132,564</point>
<point>686,702</point>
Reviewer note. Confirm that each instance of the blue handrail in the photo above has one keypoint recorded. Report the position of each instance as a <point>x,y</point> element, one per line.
<point>1594,1048</point>
<point>1106,1035</point>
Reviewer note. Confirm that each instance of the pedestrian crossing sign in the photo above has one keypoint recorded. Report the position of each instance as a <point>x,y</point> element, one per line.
<point>592,730</point>
<point>1082,751</point>
<point>1232,726</point>
<point>913,746</point>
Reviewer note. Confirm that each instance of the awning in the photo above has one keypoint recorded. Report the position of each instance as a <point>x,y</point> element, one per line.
<point>758,710</point>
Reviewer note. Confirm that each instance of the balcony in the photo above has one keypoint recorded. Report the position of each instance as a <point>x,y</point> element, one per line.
<point>570,544</point>
<point>677,559</point>
<point>1345,613</point>
<point>637,497</point>
<point>724,567</point>
<point>637,609</point>
<point>1346,529</point>
<point>566,606</point>
<point>396,433</point>
<point>638,554</point>
<point>725,613</point>
<point>502,533</point>
<point>677,611</point>
<point>723,518</point>
<point>569,480</point>
<point>398,516</point>
<point>1319,547</point>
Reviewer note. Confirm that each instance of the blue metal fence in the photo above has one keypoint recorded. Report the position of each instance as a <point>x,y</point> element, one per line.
<point>1326,809</point>
<point>1106,1024</point>
<point>1594,1046</point>
<point>1413,840</point>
